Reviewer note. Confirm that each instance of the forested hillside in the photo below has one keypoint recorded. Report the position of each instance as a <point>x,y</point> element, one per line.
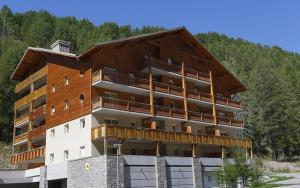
<point>272,75</point>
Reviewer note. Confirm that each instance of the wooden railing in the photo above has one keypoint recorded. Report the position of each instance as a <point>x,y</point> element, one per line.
<point>121,78</point>
<point>30,97</point>
<point>197,116</point>
<point>37,132</point>
<point>22,119</point>
<point>169,112</point>
<point>37,112</point>
<point>227,102</point>
<point>198,95</point>
<point>230,122</point>
<point>34,77</point>
<point>192,73</point>
<point>21,138</point>
<point>28,155</point>
<point>118,104</point>
<point>121,132</point>
<point>166,88</point>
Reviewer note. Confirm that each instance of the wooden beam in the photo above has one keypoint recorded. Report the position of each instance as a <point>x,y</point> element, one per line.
<point>151,91</point>
<point>223,152</point>
<point>213,100</point>
<point>184,91</point>
<point>194,150</point>
<point>157,149</point>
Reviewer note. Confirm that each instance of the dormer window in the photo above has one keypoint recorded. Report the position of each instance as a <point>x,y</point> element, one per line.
<point>67,80</point>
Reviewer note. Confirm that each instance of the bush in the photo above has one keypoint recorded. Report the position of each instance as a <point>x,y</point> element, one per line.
<point>248,171</point>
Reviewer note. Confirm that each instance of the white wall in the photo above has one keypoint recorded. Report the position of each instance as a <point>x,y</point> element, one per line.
<point>71,141</point>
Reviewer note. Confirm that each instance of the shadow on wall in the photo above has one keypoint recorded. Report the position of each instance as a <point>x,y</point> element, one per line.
<point>20,185</point>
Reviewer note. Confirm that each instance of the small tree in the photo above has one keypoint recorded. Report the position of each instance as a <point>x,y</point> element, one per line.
<point>239,167</point>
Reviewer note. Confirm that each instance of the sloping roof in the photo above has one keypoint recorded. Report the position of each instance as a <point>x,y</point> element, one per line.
<point>221,73</point>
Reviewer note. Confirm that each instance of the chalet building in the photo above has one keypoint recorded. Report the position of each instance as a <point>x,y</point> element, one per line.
<point>163,97</point>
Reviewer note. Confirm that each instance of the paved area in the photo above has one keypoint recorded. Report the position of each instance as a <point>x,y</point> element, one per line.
<point>291,183</point>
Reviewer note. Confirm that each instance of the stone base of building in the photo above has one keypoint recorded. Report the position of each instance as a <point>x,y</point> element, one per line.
<point>134,171</point>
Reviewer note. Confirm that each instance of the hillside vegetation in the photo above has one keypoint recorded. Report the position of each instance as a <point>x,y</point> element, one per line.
<point>272,75</point>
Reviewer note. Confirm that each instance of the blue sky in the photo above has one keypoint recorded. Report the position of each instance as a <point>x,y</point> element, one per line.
<point>271,22</point>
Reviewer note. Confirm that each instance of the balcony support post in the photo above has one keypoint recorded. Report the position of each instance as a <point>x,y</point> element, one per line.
<point>184,91</point>
<point>105,140</point>
<point>213,98</point>
<point>246,153</point>
<point>223,152</point>
<point>194,150</point>
<point>251,153</point>
<point>151,91</point>
<point>157,149</point>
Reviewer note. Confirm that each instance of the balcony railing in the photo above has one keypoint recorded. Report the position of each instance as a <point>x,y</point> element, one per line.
<point>230,122</point>
<point>28,155</point>
<point>21,138</point>
<point>166,88</point>
<point>37,132</point>
<point>197,116</point>
<point>198,95</point>
<point>38,112</point>
<point>169,112</point>
<point>34,77</point>
<point>121,132</point>
<point>120,78</point>
<point>22,119</point>
<point>191,73</point>
<point>228,102</point>
<point>118,104</point>
<point>30,97</point>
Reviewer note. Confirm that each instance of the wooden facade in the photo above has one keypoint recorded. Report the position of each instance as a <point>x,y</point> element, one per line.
<point>165,75</point>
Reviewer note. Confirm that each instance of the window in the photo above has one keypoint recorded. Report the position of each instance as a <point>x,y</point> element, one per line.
<point>66,107</point>
<point>52,133</point>
<point>199,132</point>
<point>66,155</point>
<point>81,72</point>
<point>171,82</point>
<point>66,128</point>
<point>52,110</point>
<point>133,123</point>
<point>133,151</point>
<point>175,152</point>
<point>173,127</point>
<point>111,122</point>
<point>82,151</point>
<point>131,76</point>
<point>51,157</point>
<point>82,123</point>
<point>53,88</point>
<point>67,81</point>
<point>172,105</point>
<point>169,61</point>
<point>81,98</point>
<point>110,95</point>
<point>132,98</point>
<point>112,151</point>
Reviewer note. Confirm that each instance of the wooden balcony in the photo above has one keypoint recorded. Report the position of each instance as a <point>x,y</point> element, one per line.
<point>198,95</point>
<point>38,112</point>
<point>230,122</point>
<point>22,119</point>
<point>34,77</point>
<point>201,117</point>
<point>37,132</point>
<point>30,97</point>
<point>123,105</point>
<point>228,102</point>
<point>21,138</point>
<point>121,132</point>
<point>176,69</point>
<point>28,155</point>
<point>168,89</point>
<point>120,78</point>
<point>169,112</point>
